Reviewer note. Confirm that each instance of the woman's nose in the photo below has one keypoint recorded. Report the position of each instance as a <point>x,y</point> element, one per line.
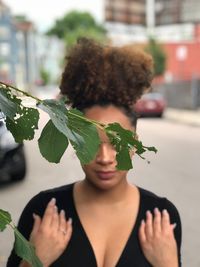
<point>106,154</point>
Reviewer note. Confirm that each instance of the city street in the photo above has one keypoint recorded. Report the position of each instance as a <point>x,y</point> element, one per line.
<point>173,172</point>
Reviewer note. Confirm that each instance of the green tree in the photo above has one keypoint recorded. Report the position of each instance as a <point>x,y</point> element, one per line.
<point>159,56</point>
<point>45,76</point>
<point>77,24</point>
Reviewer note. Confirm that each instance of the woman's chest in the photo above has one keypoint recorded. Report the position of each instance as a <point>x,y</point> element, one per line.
<point>81,253</point>
<point>107,234</point>
<point>104,239</point>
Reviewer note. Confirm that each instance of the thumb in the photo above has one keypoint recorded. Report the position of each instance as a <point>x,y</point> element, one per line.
<point>36,225</point>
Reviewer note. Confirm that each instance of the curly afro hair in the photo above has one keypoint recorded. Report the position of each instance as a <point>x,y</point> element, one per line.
<point>97,74</point>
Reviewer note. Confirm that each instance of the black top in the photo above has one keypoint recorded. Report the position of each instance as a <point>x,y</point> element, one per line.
<point>79,252</point>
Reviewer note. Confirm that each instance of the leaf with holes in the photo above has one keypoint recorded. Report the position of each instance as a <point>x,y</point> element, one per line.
<point>20,121</point>
<point>123,141</point>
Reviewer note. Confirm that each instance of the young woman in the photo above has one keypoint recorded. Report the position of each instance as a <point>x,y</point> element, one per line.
<point>102,220</point>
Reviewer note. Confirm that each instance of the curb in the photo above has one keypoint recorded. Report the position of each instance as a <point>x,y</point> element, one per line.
<point>189,117</point>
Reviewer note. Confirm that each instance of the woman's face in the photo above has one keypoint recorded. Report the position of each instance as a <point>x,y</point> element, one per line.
<point>102,172</point>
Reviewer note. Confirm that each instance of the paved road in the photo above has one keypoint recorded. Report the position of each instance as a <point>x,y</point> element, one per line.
<point>174,172</point>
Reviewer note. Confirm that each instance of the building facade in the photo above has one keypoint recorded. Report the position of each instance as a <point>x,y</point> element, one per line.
<point>176,11</point>
<point>7,44</point>
<point>17,49</point>
<point>165,11</point>
<point>127,11</point>
<point>24,52</point>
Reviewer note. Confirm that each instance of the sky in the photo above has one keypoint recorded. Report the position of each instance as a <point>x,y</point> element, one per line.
<point>44,12</point>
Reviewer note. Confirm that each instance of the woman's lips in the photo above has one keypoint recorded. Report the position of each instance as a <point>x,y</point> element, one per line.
<point>105,175</point>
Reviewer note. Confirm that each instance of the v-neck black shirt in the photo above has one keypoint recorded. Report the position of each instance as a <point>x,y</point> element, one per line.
<point>79,252</point>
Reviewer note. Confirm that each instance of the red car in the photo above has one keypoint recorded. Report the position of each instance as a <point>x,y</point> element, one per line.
<point>151,104</point>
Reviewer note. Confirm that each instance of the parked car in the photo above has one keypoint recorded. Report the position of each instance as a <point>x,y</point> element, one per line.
<point>150,104</point>
<point>12,156</point>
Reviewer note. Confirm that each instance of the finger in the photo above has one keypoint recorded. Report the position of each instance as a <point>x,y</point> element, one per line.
<point>68,234</point>
<point>37,222</point>
<point>48,214</point>
<point>55,219</point>
<point>149,225</point>
<point>165,222</point>
<point>173,226</point>
<point>142,234</point>
<point>62,221</point>
<point>157,221</point>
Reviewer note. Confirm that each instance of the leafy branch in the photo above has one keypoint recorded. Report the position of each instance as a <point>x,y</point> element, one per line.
<point>65,126</point>
<point>23,248</point>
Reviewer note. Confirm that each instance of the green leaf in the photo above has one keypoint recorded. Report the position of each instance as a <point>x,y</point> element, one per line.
<point>23,128</point>
<point>5,219</point>
<point>8,102</point>
<point>52,143</point>
<point>20,121</point>
<point>81,133</point>
<point>58,114</point>
<point>25,250</point>
<point>123,140</point>
<point>151,148</point>
<point>86,147</point>
<point>123,159</point>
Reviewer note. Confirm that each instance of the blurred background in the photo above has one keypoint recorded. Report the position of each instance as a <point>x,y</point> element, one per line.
<point>36,35</point>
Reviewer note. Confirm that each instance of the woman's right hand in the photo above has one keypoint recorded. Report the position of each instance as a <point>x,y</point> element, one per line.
<point>51,234</point>
<point>157,239</point>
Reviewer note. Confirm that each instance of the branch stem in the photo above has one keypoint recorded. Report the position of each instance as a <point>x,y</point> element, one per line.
<point>19,91</point>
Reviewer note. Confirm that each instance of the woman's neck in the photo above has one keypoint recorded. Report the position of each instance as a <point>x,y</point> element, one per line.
<point>90,193</point>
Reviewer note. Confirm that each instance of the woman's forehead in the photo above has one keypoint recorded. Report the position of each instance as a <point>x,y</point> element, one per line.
<point>108,114</point>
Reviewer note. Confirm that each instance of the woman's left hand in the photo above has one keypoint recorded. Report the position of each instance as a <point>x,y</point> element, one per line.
<point>157,239</point>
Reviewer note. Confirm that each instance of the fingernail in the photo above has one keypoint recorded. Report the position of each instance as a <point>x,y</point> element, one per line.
<point>156,210</point>
<point>70,220</point>
<point>53,201</point>
<point>164,212</point>
<point>174,225</point>
<point>62,212</point>
<point>142,222</point>
<point>34,216</point>
<point>148,212</point>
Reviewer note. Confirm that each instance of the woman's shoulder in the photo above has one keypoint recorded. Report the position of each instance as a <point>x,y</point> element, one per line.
<point>150,200</point>
<point>64,189</point>
<point>59,193</point>
<point>62,194</point>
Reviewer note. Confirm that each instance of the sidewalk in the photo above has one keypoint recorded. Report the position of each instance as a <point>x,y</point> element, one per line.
<point>191,117</point>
